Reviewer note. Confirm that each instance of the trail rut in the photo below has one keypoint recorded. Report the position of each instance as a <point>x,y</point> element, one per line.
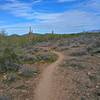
<point>44,88</point>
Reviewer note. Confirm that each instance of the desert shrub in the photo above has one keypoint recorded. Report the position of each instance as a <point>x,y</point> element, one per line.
<point>78,54</point>
<point>9,61</point>
<point>9,77</point>
<point>73,64</point>
<point>96,44</point>
<point>2,66</point>
<point>28,59</point>
<point>27,72</point>
<point>76,65</point>
<point>23,86</point>
<point>10,54</point>
<point>94,48</point>
<point>92,77</point>
<point>82,98</point>
<point>47,57</point>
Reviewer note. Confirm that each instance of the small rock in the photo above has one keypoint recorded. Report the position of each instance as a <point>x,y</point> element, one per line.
<point>89,73</point>
<point>24,91</point>
<point>27,99</point>
<point>5,77</point>
<point>27,82</point>
<point>97,86</point>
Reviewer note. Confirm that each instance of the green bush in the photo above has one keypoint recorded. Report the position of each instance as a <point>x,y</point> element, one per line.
<point>8,61</point>
<point>74,65</point>
<point>81,52</point>
<point>27,72</point>
<point>10,77</point>
<point>47,57</point>
<point>94,48</point>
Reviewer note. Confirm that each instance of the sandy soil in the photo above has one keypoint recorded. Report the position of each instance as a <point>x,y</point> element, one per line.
<point>44,90</point>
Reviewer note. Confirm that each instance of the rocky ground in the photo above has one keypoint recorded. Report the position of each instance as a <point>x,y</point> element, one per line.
<point>77,76</point>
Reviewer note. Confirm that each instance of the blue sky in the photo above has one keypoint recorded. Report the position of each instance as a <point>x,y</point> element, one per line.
<point>62,16</point>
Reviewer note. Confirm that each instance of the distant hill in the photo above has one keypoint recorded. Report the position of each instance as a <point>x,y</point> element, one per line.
<point>94,30</point>
<point>14,35</point>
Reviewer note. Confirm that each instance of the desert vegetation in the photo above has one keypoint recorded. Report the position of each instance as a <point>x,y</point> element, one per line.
<point>22,61</point>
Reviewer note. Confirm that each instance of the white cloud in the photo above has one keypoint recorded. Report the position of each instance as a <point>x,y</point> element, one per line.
<point>68,21</point>
<point>19,9</point>
<point>94,4</point>
<point>37,1</point>
<point>90,5</point>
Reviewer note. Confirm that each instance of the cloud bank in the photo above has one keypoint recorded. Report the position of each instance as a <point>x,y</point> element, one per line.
<point>80,18</point>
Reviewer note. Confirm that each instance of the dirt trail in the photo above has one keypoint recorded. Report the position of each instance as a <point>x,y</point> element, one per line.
<point>44,88</point>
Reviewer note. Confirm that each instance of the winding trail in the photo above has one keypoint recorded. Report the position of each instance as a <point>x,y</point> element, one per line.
<point>44,88</point>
